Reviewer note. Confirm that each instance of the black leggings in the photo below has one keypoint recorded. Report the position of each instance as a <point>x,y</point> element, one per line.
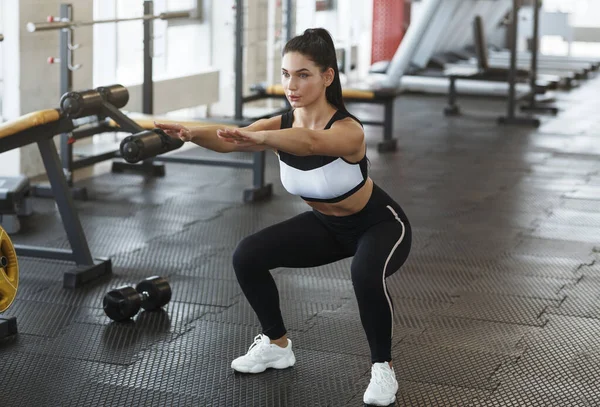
<point>379,238</point>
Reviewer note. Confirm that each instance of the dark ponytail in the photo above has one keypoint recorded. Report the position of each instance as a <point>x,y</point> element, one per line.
<point>317,45</point>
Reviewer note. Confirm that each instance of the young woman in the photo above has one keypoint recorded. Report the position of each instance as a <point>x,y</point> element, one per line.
<point>322,153</point>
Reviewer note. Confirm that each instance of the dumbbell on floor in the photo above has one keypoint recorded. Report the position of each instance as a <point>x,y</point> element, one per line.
<point>125,302</point>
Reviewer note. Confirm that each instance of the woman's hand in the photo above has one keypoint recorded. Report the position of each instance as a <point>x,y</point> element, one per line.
<point>242,138</point>
<point>175,130</point>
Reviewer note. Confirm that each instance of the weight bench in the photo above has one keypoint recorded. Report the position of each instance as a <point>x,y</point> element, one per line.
<point>383,97</point>
<point>40,127</point>
<point>483,71</point>
<point>455,73</point>
<point>550,81</point>
<point>500,73</point>
<point>15,201</point>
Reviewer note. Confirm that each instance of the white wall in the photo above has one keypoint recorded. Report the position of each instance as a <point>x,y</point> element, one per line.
<point>10,161</point>
<point>222,35</point>
<point>255,41</point>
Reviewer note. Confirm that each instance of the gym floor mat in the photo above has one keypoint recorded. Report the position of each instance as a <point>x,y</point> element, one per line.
<point>496,305</point>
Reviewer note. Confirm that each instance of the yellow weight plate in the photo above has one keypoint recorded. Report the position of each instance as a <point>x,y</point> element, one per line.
<point>9,271</point>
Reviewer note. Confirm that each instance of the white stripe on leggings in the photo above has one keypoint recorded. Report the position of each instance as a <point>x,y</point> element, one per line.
<point>386,263</point>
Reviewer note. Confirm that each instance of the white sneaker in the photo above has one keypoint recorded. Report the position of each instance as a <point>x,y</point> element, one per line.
<point>383,386</point>
<point>262,355</point>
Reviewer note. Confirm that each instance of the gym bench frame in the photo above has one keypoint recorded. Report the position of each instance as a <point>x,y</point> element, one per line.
<point>41,127</point>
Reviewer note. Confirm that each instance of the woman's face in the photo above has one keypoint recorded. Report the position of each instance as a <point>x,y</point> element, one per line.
<point>302,80</point>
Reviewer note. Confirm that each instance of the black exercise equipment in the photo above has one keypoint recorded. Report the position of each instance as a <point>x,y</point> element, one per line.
<point>483,71</point>
<point>15,201</point>
<point>147,144</point>
<point>511,118</point>
<point>8,327</point>
<point>88,102</point>
<point>123,303</point>
<point>513,74</point>
<point>40,128</point>
<point>533,105</point>
<point>495,73</point>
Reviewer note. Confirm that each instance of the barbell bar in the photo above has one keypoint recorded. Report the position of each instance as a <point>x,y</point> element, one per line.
<point>58,24</point>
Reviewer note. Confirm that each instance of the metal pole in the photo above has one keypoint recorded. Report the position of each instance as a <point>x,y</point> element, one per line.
<point>513,61</point>
<point>66,85</point>
<point>289,32</point>
<point>64,201</point>
<point>533,101</point>
<point>64,23</point>
<point>147,87</point>
<point>258,170</point>
<point>239,59</point>
<point>534,49</point>
<point>510,118</point>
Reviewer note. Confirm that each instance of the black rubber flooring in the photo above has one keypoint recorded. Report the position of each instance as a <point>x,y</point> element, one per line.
<point>498,304</point>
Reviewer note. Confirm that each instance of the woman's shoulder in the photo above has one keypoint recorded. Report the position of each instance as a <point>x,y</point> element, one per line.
<point>345,118</point>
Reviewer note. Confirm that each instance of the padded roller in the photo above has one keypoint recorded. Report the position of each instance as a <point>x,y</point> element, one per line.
<point>9,271</point>
<point>89,102</point>
<point>116,95</point>
<point>147,144</point>
<point>81,104</point>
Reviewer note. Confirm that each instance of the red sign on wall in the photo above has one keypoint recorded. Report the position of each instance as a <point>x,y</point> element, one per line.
<point>390,22</point>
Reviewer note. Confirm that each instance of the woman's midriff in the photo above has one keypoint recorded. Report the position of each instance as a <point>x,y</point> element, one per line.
<point>348,206</point>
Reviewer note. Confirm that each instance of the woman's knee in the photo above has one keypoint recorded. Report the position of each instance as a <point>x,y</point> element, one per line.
<point>246,254</point>
<point>370,272</point>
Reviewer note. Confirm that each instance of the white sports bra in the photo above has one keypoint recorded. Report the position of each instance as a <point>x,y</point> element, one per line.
<point>320,178</point>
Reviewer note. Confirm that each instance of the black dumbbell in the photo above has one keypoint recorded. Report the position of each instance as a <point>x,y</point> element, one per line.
<point>124,302</point>
<point>147,144</point>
